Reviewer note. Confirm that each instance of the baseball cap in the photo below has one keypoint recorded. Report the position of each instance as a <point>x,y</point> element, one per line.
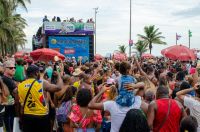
<point>32,69</point>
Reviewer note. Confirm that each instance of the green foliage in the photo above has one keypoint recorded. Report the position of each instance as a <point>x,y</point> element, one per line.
<point>11,26</point>
<point>152,36</point>
<point>122,48</point>
<point>141,47</point>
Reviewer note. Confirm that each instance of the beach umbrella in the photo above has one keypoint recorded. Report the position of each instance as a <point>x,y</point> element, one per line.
<point>179,52</point>
<point>19,54</point>
<point>98,57</point>
<point>46,55</point>
<point>119,56</point>
<point>147,56</point>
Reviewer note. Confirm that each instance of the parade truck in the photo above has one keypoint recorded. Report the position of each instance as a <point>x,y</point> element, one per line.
<point>72,39</point>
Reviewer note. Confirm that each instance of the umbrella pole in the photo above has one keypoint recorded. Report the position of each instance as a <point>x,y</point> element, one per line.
<point>176,38</point>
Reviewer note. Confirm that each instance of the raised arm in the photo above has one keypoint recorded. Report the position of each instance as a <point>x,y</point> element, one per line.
<point>181,94</point>
<point>132,86</point>
<point>94,104</point>
<point>139,68</point>
<point>52,87</point>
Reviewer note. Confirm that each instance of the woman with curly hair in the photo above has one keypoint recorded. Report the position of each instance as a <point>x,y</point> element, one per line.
<point>82,118</point>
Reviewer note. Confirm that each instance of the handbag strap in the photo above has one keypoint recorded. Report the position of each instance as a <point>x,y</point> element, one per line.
<point>165,119</point>
<point>29,90</point>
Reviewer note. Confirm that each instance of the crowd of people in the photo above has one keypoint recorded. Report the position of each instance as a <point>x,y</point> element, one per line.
<point>58,19</point>
<point>136,95</point>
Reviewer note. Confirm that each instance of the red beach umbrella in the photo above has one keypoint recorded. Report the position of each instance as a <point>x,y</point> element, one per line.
<point>98,57</point>
<point>119,56</point>
<point>179,52</point>
<point>46,54</point>
<point>147,56</point>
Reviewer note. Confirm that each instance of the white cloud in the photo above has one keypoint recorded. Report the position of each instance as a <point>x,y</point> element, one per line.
<point>113,19</point>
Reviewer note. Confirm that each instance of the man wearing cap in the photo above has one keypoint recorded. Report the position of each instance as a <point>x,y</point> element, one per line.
<point>33,98</point>
<point>9,67</point>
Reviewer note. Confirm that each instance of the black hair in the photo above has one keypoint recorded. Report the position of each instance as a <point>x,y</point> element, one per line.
<point>170,74</point>
<point>189,123</point>
<point>19,61</point>
<point>134,121</point>
<point>69,94</point>
<point>32,71</point>
<point>124,68</point>
<point>83,97</point>
<point>162,91</point>
<point>184,85</point>
<point>149,68</point>
<point>66,79</point>
<point>95,65</point>
<point>117,66</point>
<point>66,69</point>
<point>180,76</point>
<point>163,81</point>
<point>149,96</point>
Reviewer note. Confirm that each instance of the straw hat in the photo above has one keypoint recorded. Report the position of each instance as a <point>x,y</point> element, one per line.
<point>151,61</point>
<point>111,62</point>
<point>77,72</point>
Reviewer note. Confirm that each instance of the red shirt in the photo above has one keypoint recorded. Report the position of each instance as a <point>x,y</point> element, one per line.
<point>173,119</point>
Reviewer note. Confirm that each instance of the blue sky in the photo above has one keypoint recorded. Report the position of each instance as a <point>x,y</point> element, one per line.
<point>170,16</point>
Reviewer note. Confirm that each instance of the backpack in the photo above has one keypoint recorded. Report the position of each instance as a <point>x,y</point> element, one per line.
<point>63,111</point>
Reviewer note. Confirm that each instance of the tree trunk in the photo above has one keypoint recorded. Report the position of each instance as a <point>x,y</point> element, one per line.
<point>5,48</point>
<point>11,49</point>
<point>150,47</point>
<point>140,54</point>
<point>15,48</point>
<point>2,49</point>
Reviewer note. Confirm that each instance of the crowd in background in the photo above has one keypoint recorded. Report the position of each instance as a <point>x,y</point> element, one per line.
<point>58,19</point>
<point>136,95</point>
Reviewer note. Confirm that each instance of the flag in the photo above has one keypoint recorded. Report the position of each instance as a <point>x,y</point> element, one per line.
<point>130,42</point>
<point>190,33</point>
<point>178,36</point>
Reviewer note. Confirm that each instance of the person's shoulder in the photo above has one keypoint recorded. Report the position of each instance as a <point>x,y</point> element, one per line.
<point>153,104</point>
<point>4,77</point>
<point>109,104</point>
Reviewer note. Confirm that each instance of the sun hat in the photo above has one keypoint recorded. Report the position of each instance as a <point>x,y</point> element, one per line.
<point>77,72</point>
<point>111,62</point>
<point>151,61</point>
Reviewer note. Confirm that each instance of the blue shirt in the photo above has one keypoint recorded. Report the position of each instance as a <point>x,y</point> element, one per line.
<point>125,97</point>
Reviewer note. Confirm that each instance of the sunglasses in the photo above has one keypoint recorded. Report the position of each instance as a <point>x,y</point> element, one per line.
<point>11,68</point>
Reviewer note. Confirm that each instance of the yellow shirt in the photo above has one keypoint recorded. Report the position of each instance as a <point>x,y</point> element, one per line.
<point>36,103</point>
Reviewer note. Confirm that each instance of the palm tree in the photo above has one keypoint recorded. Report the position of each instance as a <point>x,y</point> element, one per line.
<point>152,36</point>
<point>122,48</point>
<point>11,26</point>
<point>141,47</point>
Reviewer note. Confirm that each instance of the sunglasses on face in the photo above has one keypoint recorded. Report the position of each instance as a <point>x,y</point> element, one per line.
<point>11,68</point>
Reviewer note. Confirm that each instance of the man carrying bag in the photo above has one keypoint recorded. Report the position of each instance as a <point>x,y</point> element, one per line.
<point>33,98</point>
